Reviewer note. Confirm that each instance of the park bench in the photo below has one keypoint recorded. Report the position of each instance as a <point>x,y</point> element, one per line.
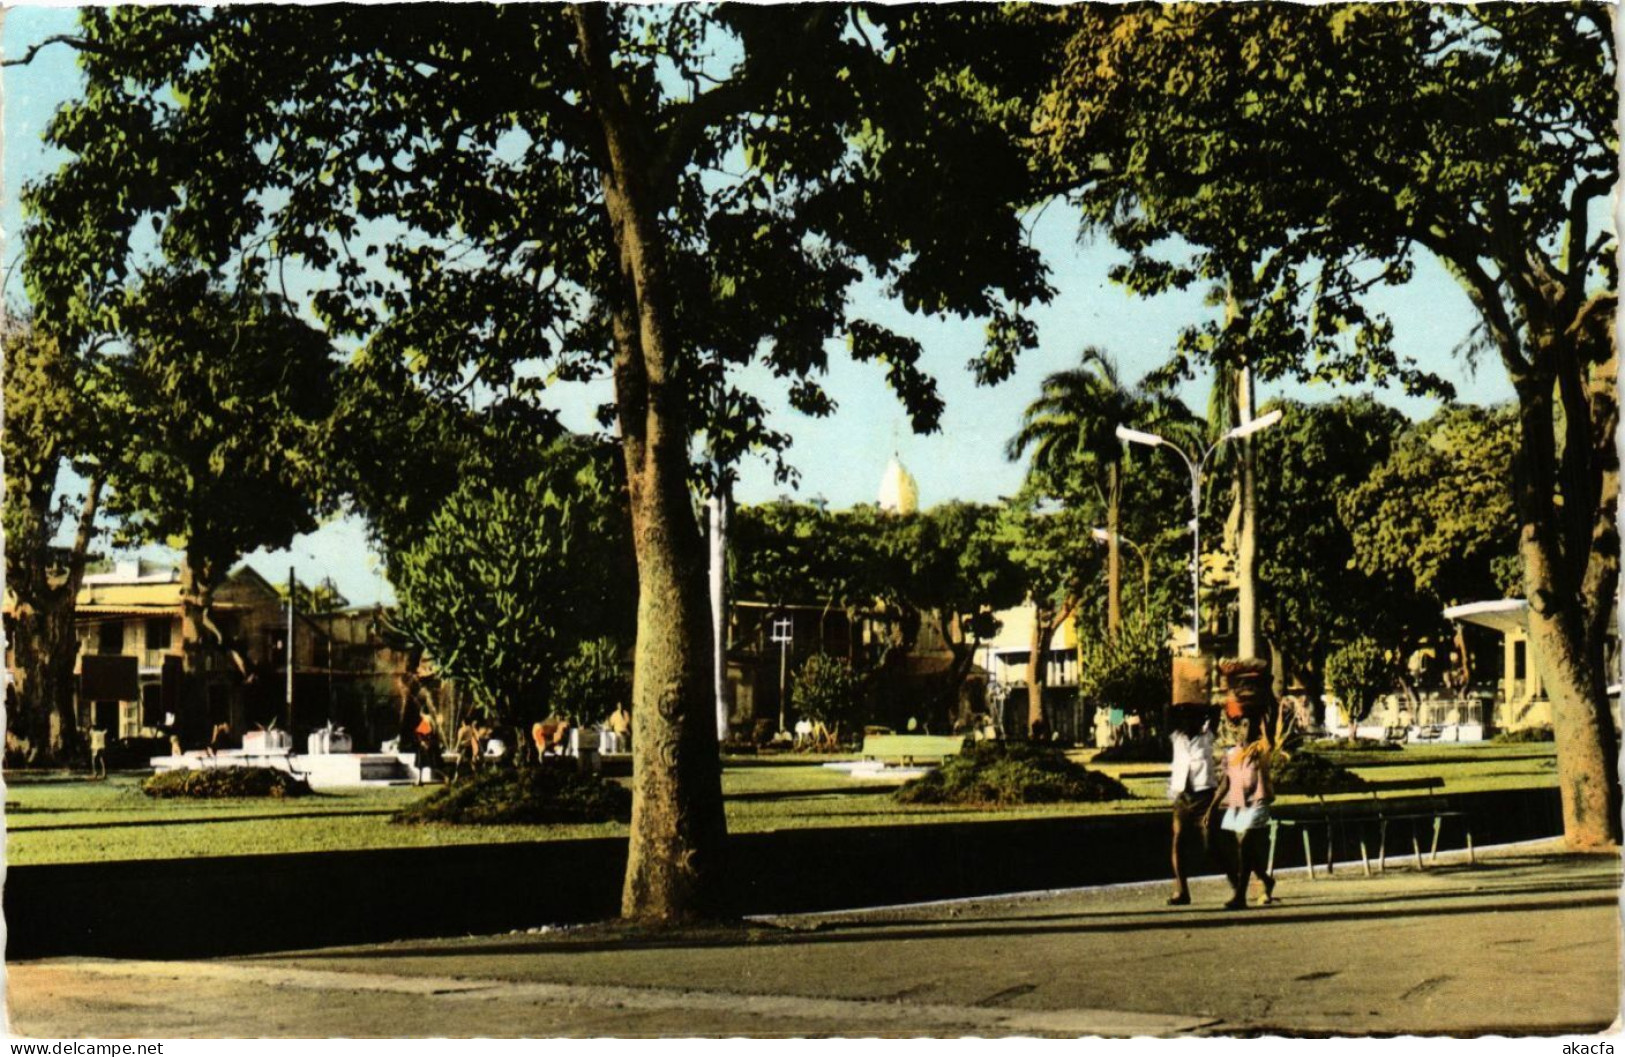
<point>909,748</point>
<point>1372,810</point>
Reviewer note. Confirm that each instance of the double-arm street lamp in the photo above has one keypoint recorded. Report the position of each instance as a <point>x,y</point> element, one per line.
<point>1196,466</point>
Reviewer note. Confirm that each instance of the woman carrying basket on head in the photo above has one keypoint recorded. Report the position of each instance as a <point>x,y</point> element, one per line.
<point>1244,792</point>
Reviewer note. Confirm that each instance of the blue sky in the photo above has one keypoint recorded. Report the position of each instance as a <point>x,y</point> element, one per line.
<point>840,458</point>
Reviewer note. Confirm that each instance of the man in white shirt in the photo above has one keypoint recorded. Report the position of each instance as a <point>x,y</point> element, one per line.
<point>1191,783</point>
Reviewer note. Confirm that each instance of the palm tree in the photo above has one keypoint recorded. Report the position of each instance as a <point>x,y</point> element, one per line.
<point>1071,429</point>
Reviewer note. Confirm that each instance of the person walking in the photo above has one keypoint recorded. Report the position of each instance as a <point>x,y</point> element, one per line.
<point>98,752</point>
<point>1191,786</point>
<point>1244,790</point>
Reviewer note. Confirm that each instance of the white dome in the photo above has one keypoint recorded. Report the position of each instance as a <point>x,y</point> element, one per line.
<point>898,492</point>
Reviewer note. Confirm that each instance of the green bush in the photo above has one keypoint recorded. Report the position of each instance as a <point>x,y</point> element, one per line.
<point>1524,736</point>
<point>1010,774</point>
<point>525,796</point>
<point>1357,672</point>
<point>826,690</point>
<point>1134,673</point>
<point>1309,773</point>
<point>216,783</point>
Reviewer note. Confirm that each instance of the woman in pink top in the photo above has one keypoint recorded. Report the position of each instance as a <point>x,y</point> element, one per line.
<point>1244,790</point>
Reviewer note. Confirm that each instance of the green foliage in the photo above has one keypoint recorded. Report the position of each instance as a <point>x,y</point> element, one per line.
<point>1134,673</point>
<point>1310,593</point>
<point>1301,170</point>
<point>592,681</point>
<point>220,407</point>
<point>996,774</point>
<point>450,217</point>
<point>1358,672</point>
<point>1437,512</point>
<point>826,690</point>
<point>45,419</point>
<point>546,795</point>
<point>515,569</point>
<point>215,783</point>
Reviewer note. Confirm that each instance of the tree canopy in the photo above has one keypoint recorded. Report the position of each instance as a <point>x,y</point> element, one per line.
<point>1436,513</point>
<point>517,568</point>
<point>220,405</point>
<point>1300,157</point>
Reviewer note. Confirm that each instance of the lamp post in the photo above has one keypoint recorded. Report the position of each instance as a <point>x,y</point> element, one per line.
<point>783,632</point>
<point>1196,466</point>
<point>1104,536</point>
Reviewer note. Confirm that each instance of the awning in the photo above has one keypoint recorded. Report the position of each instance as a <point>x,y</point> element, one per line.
<point>1502,614</point>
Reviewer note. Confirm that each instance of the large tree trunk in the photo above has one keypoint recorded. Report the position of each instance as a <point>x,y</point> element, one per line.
<point>1046,620</point>
<point>199,578</point>
<point>678,831</point>
<point>45,646</point>
<point>1569,660</point>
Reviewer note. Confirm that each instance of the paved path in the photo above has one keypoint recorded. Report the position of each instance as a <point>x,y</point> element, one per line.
<point>1526,942</point>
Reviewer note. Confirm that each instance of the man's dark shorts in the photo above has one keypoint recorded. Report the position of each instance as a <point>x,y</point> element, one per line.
<point>1189,812</point>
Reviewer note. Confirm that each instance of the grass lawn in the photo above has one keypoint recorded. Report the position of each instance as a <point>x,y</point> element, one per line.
<point>60,819</point>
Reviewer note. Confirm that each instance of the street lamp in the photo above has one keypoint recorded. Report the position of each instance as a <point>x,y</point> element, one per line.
<point>1105,536</point>
<point>1196,466</point>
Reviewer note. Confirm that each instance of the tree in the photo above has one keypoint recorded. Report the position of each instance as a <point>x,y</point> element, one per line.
<point>1307,155</point>
<point>49,423</point>
<point>1133,671</point>
<point>959,570</point>
<point>1055,553</point>
<point>1436,513</point>
<point>1358,672</point>
<point>219,405</point>
<point>518,567</point>
<point>1071,430</point>
<point>658,194</point>
<point>1312,593</point>
<point>827,691</point>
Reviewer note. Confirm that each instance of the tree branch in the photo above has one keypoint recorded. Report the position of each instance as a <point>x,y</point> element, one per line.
<point>78,43</point>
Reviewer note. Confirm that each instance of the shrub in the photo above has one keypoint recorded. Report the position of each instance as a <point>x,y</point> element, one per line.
<point>1357,672</point>
<point>1524,736</point>
<point>1134,673</point>
<point>221,782</point>
<point>526,796</point>
<point>1010,774</point>
<point>1309,773</point>
<point>826,690</point>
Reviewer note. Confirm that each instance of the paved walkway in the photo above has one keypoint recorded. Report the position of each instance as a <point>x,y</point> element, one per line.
<point>1526,942</point>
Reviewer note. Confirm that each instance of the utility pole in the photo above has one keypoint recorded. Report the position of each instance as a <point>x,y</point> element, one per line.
<point>288,651</point>
<point>717,512</point>
<point>783,630</point>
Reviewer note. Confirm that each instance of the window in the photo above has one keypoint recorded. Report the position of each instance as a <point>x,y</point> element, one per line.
<point>158,633</point>
<point>1520,659</point>
<point>110,637</point>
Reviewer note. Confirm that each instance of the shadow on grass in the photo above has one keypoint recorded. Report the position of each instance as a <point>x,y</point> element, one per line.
<point>809,794</point>
<point>205,821</point>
